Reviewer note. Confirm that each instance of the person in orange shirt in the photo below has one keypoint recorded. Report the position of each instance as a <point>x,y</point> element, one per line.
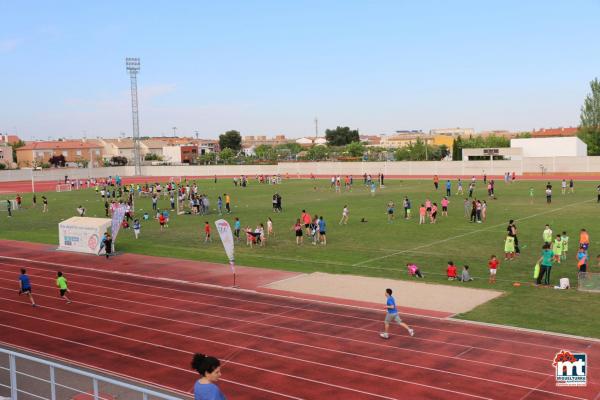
<point>227,203</point>
<point>436,181</point>
<point>422,213</point>
<point>207,237</point>
<point>306,220</point>
<point>584,239</point>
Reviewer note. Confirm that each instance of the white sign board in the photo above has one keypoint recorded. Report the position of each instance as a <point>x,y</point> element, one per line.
<point>82,234</point>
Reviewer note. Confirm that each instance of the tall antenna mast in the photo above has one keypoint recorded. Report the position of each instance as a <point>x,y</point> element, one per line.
<point>133,67</point>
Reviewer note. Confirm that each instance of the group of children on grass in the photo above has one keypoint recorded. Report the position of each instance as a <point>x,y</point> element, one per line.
<point>314,227</point>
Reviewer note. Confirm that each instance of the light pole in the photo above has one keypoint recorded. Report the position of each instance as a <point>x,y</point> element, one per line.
<point>133,67</point>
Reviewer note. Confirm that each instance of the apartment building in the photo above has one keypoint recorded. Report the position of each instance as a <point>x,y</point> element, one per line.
<point>73,151</point>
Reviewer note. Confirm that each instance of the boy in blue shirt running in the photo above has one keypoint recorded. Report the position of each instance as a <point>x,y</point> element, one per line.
<point>25,286</point>
<point>392,315</point>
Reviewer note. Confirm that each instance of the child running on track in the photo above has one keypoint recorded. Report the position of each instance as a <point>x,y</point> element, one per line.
<point>392,315</point>
<point>61,283</point>
<point>25,286</point>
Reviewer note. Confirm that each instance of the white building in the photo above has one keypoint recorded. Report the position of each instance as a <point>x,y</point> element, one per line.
<point>551,147</point>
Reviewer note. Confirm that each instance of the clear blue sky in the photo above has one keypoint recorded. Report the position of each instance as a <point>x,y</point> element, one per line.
<point>269,67</point>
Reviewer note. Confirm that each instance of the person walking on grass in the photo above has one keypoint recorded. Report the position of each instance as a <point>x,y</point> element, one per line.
<point>25,286</point>
<point>493,267</point>
<point>406,204</point>
<point>392,316</point>
<point>565,244</point>
<point>390,211</point>
<point>530,195</point>
<point>137,227</point>
<point>270,227</point>
<point>345,214</point>
<point>237,226</point>
<point>445,203</point>
<point>209,369</point>
<point>582,261</point>
<point>45,203</point>
<point>61,283</point>
<point>545,262</point>
<point>207,237</point>
<point>297,228</point>
<point>322,231</point>
<point>557,247</point>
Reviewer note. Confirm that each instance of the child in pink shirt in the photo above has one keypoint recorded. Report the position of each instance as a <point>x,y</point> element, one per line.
<point>445,202</point>
<point>428,207</point>
<point>413,270</point>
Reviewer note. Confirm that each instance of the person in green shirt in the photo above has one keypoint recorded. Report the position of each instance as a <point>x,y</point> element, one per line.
<point>61,283</point>
<point>530,195</point>
<point>557,247</point>
<point>547,234</point>
<point>565,244</point>
<point>545,262</point>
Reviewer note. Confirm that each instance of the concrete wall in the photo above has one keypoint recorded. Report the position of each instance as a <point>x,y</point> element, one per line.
<point>417,168</point>
<point>551,147</point>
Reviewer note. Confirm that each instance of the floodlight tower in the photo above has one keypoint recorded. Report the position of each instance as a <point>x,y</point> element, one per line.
<point>133,67</point>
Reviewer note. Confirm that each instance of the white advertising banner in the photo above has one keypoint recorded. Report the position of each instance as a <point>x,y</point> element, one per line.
<point>227,238</point>
<point>82,234</point>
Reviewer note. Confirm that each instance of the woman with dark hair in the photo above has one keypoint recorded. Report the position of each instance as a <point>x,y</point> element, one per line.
<point>209,369</point>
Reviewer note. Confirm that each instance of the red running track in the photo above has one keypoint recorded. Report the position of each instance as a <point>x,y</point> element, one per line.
<point>274,347</point>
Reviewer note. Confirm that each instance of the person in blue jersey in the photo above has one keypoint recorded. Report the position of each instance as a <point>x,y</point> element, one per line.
<point>25,286</point>
<point>392,315</point>
<point>322,230</point>
<point>209,369</point>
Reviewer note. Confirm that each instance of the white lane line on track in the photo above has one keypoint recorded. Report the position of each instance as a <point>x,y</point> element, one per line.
<point>470,233</point>
<point>245,365</point>
<point>290,357</point>
<point>134,357</point>
<point>374,344</point>
<point>341,316</point>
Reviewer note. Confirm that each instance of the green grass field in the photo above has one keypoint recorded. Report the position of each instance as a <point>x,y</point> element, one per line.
<point>376,248</point>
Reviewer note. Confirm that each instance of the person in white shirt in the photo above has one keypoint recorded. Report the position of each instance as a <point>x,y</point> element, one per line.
<point>345,214</point>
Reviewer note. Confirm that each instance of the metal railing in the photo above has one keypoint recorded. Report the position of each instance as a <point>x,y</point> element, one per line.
<point>26,377</point>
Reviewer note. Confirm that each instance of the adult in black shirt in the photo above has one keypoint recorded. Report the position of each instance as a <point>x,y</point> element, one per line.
<point>512,232</point>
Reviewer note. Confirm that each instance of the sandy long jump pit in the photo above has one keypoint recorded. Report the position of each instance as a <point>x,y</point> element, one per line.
<point>428,296</point>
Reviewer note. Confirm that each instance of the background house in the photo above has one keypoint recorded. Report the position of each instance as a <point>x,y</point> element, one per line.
<point>83,150</point>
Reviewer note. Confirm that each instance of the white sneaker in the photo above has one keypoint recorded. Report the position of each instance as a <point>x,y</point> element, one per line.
<point>384,335</point>
<point>411,332</point>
